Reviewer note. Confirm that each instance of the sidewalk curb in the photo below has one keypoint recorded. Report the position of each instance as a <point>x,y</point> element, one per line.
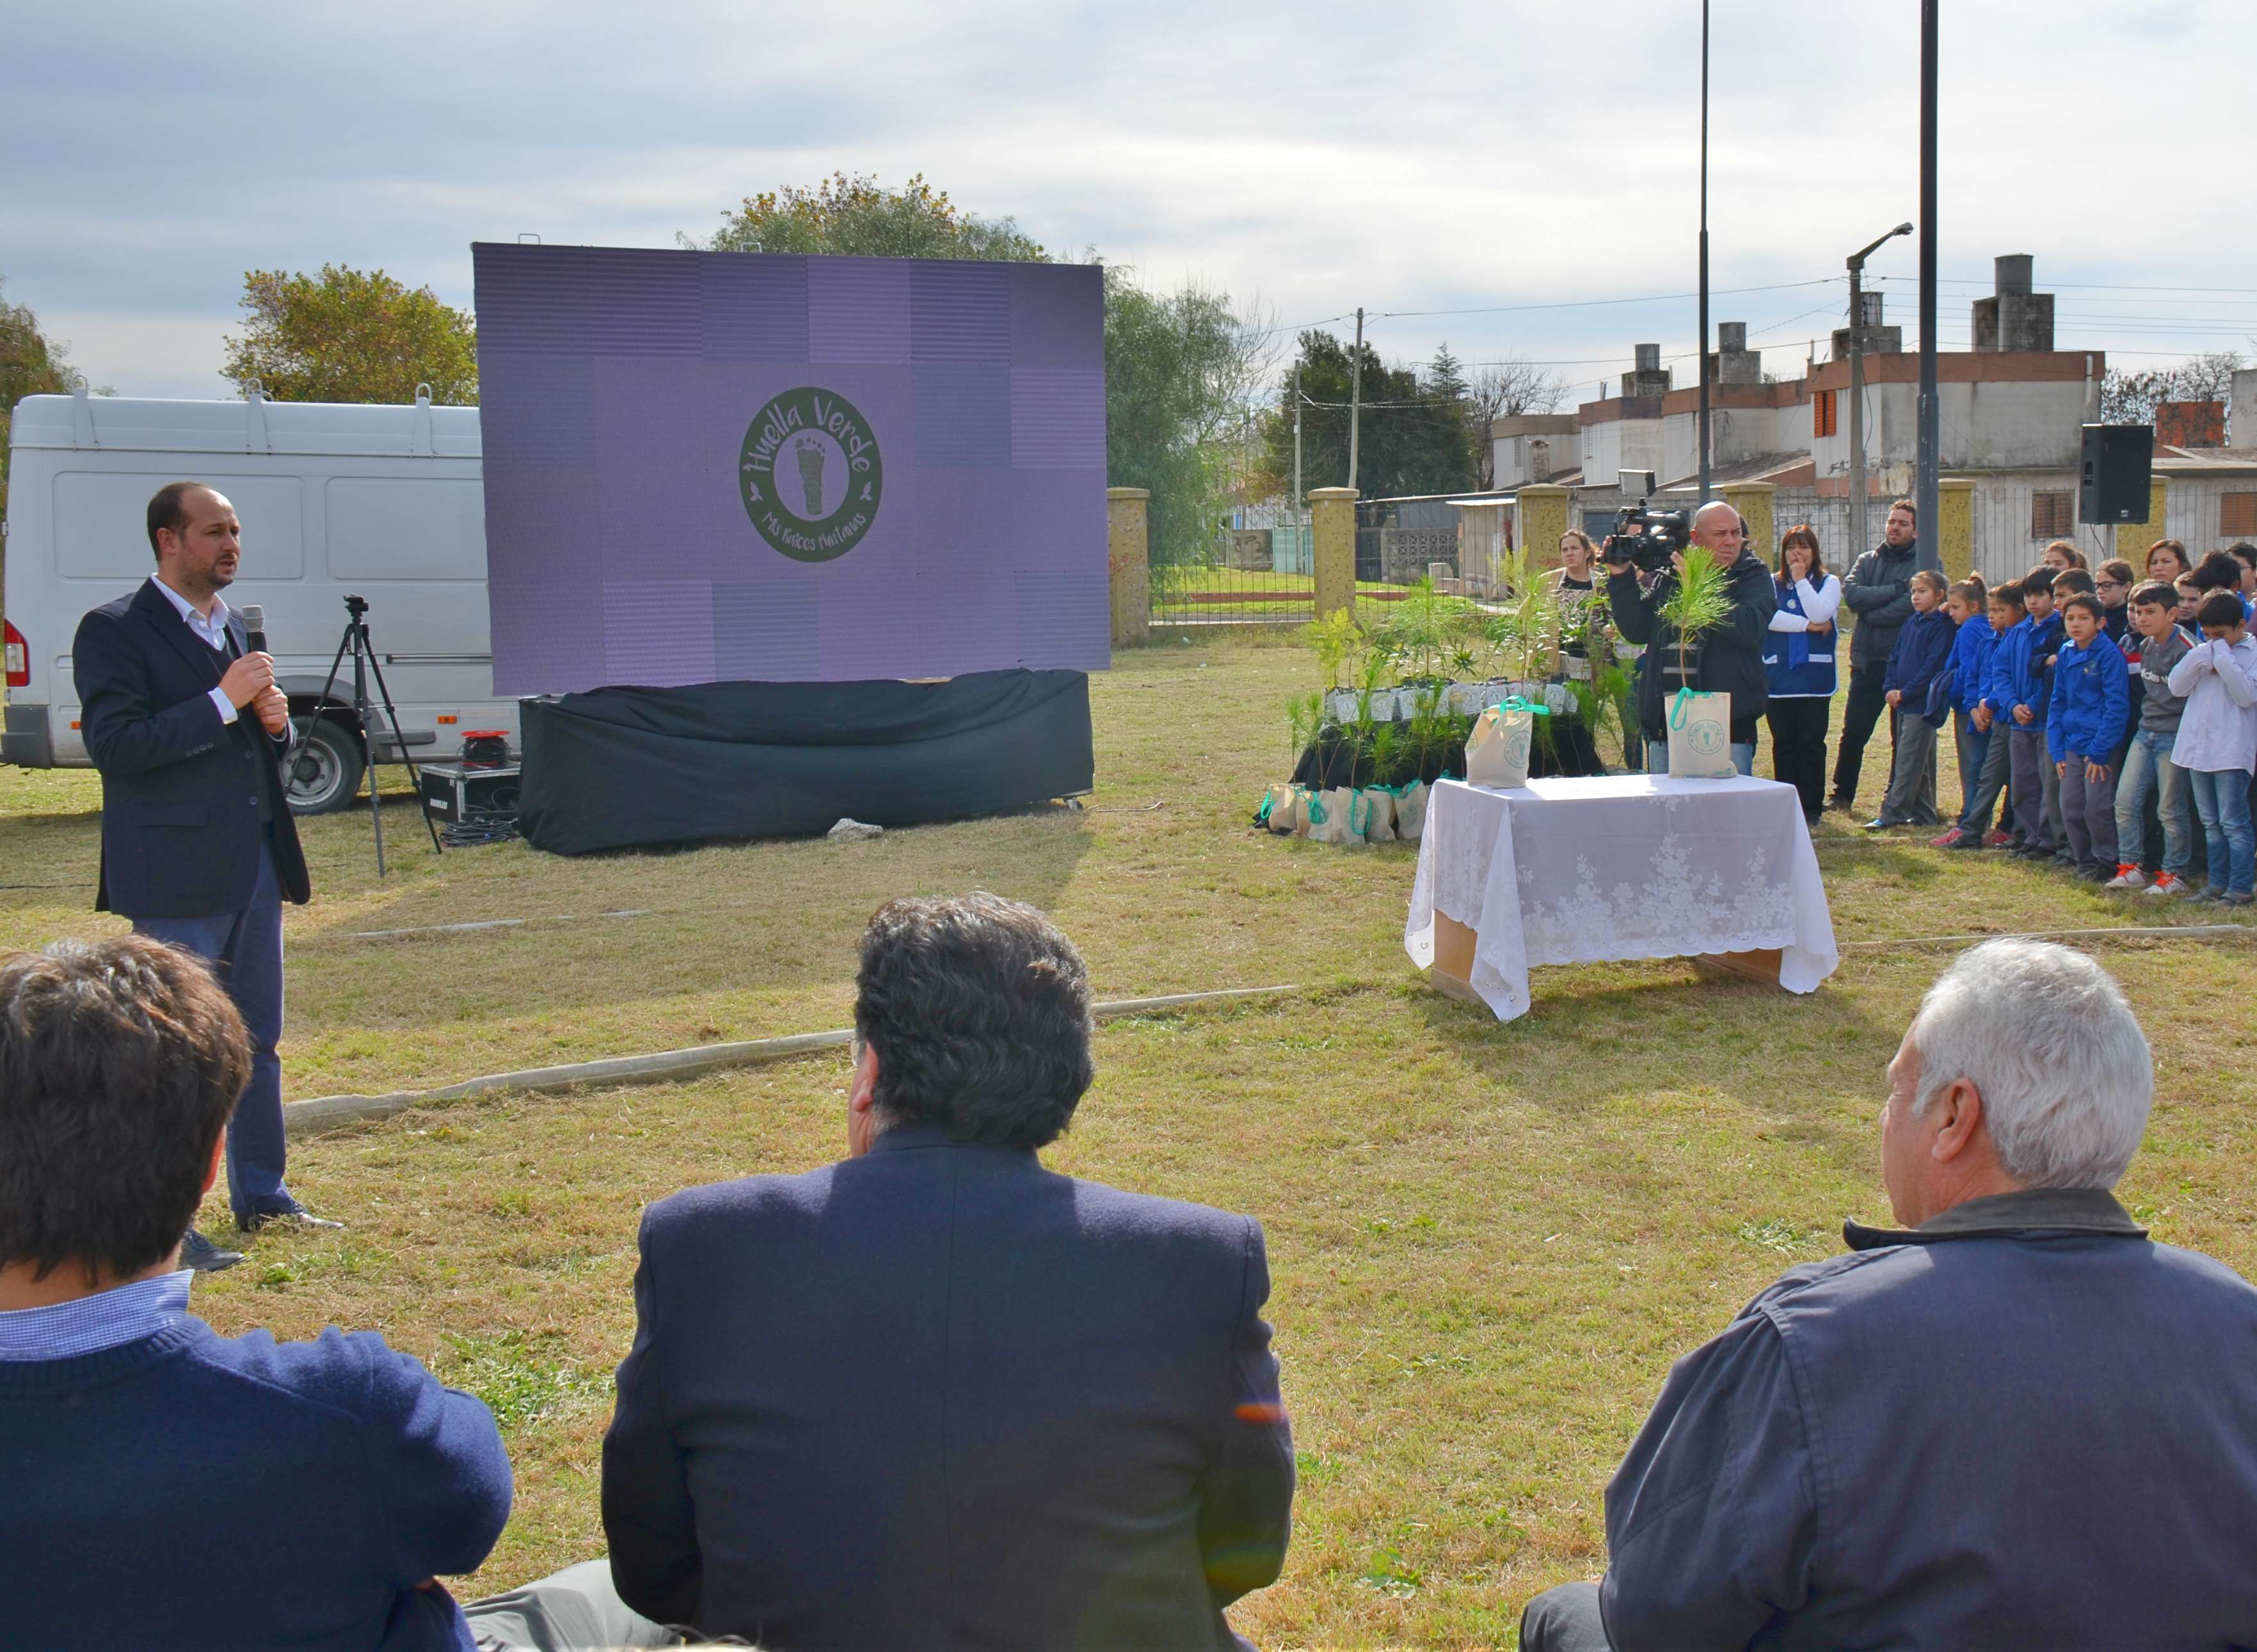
<point>330,1113</point>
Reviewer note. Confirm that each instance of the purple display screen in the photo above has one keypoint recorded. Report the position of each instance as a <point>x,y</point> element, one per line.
<point>720,466</point>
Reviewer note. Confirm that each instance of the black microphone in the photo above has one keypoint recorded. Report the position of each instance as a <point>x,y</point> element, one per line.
<point>254,628</point>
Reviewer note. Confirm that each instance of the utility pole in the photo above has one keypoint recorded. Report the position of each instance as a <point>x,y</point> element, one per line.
<point>1858,543</point>
<point>1705,449</point>
<point>1354,395</point>
<point>1931,435</point>
<point>1300,527</point>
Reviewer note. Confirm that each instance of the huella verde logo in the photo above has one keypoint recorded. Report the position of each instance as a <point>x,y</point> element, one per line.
<point>811,474</point>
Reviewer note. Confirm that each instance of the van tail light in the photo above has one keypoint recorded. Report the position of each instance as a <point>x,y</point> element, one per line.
<point>19,656</point>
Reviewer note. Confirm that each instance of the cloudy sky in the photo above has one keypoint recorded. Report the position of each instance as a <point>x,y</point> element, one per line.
<point>1533,166</point>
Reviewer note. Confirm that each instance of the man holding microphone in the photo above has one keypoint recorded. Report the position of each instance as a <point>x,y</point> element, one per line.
<point>182,717</point>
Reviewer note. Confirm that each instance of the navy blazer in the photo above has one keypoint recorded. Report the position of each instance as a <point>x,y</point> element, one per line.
<point>939,1396</point>
<point>181,831</point>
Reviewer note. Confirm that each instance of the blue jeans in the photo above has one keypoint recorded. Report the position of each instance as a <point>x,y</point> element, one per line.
<point>244,949</point>
<point>2222,800</point>
<point>2148,766</point>
<point>1657,757</point>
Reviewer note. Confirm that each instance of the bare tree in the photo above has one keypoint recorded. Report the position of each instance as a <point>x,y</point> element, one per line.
<point>2130,399</point>
<point>1499,390</point>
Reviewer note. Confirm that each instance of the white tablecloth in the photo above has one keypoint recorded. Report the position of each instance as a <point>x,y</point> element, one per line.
<point>1619,866</point>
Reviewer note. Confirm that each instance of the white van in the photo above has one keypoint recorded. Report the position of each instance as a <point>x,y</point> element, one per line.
<point>382,502</point>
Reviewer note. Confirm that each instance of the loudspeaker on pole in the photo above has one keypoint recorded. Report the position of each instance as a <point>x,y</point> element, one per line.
<point>2119,461</point>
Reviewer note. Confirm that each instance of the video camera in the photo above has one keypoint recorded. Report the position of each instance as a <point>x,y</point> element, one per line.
<point>1646,538</point>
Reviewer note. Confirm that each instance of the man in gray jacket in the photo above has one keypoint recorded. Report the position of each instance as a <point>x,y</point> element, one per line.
<point>2017,1423</point>
<point>1878,591</point>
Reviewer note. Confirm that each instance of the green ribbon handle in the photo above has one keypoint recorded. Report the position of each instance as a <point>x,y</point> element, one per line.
<point>1677,707</point>
<point>1359,829</point>
<point>1317,813</point>
<point>1516,704</point>
<point>1262,815</point>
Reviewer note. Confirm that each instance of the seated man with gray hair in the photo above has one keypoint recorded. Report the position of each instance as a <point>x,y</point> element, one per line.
<point>2017,1423</point>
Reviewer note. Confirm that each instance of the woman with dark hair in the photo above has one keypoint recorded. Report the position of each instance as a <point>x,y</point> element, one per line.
<point>2167,560</point>
<point>1798,666</point>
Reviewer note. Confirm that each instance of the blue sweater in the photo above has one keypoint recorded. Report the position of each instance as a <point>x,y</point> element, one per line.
<point>1971,661</point>
<point>1920,658</point>
<point>2014,677</point>
<point>193,1491</point>
<point>2091,701</point>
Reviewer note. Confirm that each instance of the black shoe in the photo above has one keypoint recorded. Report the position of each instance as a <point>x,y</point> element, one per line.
<point>1842,805</point>
<point>294,1215</point>
<point>202,1254</point>
<point>1971,840</point>
<point>2096,874</point>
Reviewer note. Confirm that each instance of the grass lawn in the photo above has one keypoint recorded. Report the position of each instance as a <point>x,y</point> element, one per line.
<point>1487,1241</point>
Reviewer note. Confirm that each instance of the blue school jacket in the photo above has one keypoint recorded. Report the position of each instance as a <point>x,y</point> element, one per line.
<point>1921,659</point>
<point>2091,701</point>
<point>1971,661</point>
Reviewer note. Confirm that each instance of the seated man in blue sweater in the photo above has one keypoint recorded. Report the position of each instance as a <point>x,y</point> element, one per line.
<point>335,1478</point>
<point>2013,1420</point>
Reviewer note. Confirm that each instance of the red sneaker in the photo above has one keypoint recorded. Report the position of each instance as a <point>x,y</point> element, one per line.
<point>1997,839</point>
<point>1951,839</point>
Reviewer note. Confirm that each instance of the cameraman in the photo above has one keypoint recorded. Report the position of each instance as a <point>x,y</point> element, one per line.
<point>1726,661</point>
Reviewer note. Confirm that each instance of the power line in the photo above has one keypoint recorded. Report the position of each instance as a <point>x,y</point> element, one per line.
<point>1580,304</point>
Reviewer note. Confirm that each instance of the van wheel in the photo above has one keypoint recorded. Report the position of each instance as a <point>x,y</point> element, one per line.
<point>324,771</point>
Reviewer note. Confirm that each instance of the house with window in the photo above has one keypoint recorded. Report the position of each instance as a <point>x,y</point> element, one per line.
<point>2010,412</point>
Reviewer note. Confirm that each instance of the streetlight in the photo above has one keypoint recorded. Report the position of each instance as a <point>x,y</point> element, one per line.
<point>1857,544</point>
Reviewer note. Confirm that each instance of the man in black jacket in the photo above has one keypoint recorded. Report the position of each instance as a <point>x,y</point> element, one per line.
<point>1878,591</point>
<point>935,1395</point>
<point>1728,659</point>
<point>185,724</point>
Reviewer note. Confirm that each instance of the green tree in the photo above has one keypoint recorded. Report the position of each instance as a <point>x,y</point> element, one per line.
<point>1179,369</point>
<point>351,335</point>
<point>856,216</point>
<point>31,364</point>
<point>1414,436</point>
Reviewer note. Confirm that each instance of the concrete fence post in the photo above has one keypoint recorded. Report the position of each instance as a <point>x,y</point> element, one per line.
<point>1955,525</point>
<point>2133,538</point>
<point>1334,511</point>
<point>1540,515</point>
<point>1754,501</point>
<point>1129,562</point>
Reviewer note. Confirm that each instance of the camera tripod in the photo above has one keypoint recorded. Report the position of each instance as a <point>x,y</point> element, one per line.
<point>355,643</point>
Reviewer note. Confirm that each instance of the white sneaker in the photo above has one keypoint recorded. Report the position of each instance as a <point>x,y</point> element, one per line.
<point>2166,886</point>
<point>2127,877</point>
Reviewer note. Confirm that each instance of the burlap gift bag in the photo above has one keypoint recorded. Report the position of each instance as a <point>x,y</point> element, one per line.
<point>1335,816</point>
<point>1497,751</point>
<point>1281,809</point>
<point>1380,826</point>
<point>1700,736</point>
<point>1411,812</point>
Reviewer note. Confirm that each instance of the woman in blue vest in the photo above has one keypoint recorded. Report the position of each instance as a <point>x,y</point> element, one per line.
<point>1799,661</point>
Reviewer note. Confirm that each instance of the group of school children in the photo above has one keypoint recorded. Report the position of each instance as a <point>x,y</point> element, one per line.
<point>2080,699</point>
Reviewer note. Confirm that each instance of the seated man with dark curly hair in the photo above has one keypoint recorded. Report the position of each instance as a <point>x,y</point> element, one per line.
<point>935,1395</point>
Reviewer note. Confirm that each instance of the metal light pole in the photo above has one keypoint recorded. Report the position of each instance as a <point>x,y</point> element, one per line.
<point>1858,543</point>
<point>1355,396</point>
<point>1300,502</point>
<point>1931,443</point>
<point>1705,449</point>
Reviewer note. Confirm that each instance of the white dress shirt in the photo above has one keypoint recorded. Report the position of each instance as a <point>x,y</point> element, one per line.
<point>212,632</point>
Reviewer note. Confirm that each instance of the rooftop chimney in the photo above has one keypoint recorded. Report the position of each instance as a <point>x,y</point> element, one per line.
<point>1649,377</point>
<point>2013,318</point>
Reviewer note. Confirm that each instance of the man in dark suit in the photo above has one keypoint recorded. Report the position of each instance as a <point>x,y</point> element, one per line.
<point>935,1395</point>
<point>198,847</point>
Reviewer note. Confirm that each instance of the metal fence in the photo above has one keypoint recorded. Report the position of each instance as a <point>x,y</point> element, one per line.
<point>1267,576</point>
<point>1248,577</point>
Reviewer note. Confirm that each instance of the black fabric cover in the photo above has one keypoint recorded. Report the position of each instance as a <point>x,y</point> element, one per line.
<point>619,768</point>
